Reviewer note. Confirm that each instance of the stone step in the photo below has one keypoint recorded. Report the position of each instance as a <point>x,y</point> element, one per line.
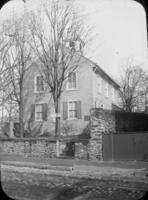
<point>65,157</point>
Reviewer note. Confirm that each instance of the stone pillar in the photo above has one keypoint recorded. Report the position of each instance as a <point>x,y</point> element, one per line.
<point>57,148</point>
<point>97,128</point>
<point>11,126</point>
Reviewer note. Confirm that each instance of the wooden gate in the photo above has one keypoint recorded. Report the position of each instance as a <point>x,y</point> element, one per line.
<point>125,146</point>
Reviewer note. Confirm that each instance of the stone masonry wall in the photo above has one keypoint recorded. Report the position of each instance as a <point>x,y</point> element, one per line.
<point>29,147</point>
<point>102,122</point>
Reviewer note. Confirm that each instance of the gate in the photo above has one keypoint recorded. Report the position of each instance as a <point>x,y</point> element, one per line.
<point>125,146</point>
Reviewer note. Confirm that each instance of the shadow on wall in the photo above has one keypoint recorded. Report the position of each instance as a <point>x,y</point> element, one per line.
<point>4,129</point>
<point>85,135</point>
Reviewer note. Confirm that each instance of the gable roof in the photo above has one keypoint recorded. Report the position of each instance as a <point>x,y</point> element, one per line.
<point>97,69</point>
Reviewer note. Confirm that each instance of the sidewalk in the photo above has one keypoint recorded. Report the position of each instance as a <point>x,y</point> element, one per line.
<point>82,168</point>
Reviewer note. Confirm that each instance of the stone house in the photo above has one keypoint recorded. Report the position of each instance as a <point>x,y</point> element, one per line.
<point>87,87</point>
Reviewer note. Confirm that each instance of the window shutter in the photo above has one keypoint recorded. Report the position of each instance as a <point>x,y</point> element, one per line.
<point>45,110</point>
<point>65,110</point>
<point>32,112</point>
<point>35,89</point>
<point>78,108</point>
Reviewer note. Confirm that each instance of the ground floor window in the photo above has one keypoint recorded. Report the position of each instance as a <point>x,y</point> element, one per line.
<point>72,110</point>
<point>39,112</point>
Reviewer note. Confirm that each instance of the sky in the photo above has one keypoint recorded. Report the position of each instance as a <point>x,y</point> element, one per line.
<point>118,31</point>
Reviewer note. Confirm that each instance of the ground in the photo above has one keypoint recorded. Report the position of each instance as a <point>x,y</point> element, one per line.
<point>35,186</point>
<point>25,178</point>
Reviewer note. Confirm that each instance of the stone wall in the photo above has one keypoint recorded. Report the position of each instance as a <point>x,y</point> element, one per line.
<point>87,148</point>
<point>90,146</point>
<point>101,122</point>
<point>29,147</point>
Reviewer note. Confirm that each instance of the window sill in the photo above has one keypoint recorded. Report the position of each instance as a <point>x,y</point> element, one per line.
<point>71,89</point>
<point>38,92</point>
<point>72,119</point>
<point>39,120</point>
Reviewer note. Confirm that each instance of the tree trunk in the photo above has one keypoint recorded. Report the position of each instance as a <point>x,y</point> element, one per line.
<point>57,122</point>
<point>21,114</point>
<point>21,127</point>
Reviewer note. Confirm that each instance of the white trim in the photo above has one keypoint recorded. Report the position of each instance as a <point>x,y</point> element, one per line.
<point>70,118</point>
<point>73,100</point>
<point>38,120</point>
<point>35,85</point>
<point>76,88</point>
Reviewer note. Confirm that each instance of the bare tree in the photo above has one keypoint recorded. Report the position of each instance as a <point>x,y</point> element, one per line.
<point>133,87</point>
<point>16,63</point>
<point>58,39</point>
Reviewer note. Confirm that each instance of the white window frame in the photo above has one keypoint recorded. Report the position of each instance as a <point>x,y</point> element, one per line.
<point>38,120</point>
<point>35,84</point>
<point>68,104</point>
<point>73,88</point>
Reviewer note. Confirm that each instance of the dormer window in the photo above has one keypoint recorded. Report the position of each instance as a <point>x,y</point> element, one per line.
<point>39,83</point>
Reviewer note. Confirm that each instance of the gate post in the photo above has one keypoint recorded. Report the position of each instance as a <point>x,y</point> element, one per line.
<point>11,126</point>
<point>57,148</point>
<point>112,146</point>
<point>97,129</point>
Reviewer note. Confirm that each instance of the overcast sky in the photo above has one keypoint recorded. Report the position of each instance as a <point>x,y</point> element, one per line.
<point>118,30</point>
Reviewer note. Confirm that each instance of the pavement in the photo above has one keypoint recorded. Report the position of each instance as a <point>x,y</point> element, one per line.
<point>129,170</point>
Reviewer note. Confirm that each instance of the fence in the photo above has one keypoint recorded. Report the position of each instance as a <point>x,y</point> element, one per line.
<point>125,146</point>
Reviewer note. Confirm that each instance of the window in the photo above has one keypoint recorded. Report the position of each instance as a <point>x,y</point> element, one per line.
<point>39,112</point>
<point>72,81</point>
<point>39,84</point>
<point>72,111</point>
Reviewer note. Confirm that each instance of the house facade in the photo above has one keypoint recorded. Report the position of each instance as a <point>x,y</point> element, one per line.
<point>87,87</point>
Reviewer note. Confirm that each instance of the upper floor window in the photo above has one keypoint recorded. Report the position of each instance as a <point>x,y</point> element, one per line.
<point>39,83</point>
<point>71,84</point>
